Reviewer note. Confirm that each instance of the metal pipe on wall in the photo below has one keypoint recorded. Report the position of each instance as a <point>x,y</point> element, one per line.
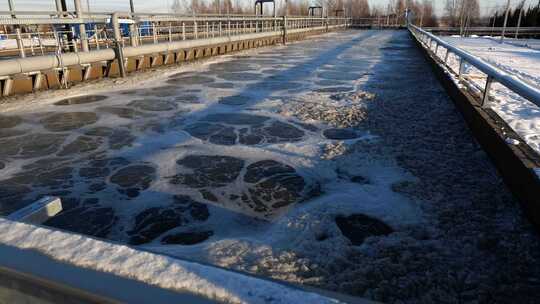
<point>39,63</point>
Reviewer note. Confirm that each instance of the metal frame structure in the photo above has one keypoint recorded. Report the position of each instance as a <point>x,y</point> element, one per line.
<point>55,41</point>
<point>260,4</point>
<point>311,10</point>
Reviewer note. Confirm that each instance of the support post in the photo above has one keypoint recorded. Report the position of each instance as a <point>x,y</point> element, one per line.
<point>20,44</point>
<point>133,29</point>
<point>8,86</point>
<point>58,5</point>
<point>118,50</point>
<point>183,31</point>
<point>82,27</point>
<point>461,69</point>
<point>485,97</point>
<point>284,29</point>
<point>326,23</point>
<point>154,34</point>
<point>96,37</point>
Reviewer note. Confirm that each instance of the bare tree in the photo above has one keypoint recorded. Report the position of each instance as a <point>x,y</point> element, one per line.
<point>358,8</point>
<point>428,14</point>
<point>177,8</point>
<point>451,12</point>
<point>461,13</point>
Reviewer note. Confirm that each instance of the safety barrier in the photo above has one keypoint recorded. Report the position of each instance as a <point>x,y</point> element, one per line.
<point>492,73</point>
<point>118,43</point>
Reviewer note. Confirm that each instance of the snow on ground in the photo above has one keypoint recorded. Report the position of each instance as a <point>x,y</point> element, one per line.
<point>248,161</point>
<point>523,42</point>
<point>521,115</point>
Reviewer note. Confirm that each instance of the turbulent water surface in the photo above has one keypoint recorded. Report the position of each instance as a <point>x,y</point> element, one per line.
<point>337,162</point>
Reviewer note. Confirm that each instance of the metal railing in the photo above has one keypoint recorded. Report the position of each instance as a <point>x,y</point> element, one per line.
<point>60,39</point>
<point>379,22</point>
<point>486,30</point>
<point>491,73</point>
<point>61,32</point>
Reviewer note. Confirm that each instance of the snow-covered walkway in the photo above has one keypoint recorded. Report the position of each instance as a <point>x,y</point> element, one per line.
<point>524,62</point>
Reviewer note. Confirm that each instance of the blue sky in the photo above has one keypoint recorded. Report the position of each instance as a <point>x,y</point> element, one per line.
<point>162,5</point>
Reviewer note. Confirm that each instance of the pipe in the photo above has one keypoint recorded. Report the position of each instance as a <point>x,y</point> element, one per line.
<point>58,5</point>
<point>39,63</point>
<point>82,27</point>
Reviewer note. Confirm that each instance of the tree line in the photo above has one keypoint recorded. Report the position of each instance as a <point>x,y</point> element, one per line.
<point>530,16</point>
<point>394,12</point>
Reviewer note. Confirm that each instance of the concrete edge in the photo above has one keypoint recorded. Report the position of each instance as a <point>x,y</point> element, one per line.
<point>42,277</point>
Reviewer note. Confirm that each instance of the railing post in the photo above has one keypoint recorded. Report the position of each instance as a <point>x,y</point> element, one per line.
<point>20,44</point>
<point>487,88</point>
<point>461,69</point>
<point>133,28</point>
<point>118,49</point>
<point>183,31</point>
<point>284,29</point>
<point>40,44</point>
<point>154,34</point>
<point>31,44</point>
<point>75,43</point>
<point>195,30</point>
<point>326,23</point>
<point>96,36</point>
<point>446,56</point>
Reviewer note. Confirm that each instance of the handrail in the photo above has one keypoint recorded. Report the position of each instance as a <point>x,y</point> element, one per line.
<point>512,82</point>
<point>191,35</point>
